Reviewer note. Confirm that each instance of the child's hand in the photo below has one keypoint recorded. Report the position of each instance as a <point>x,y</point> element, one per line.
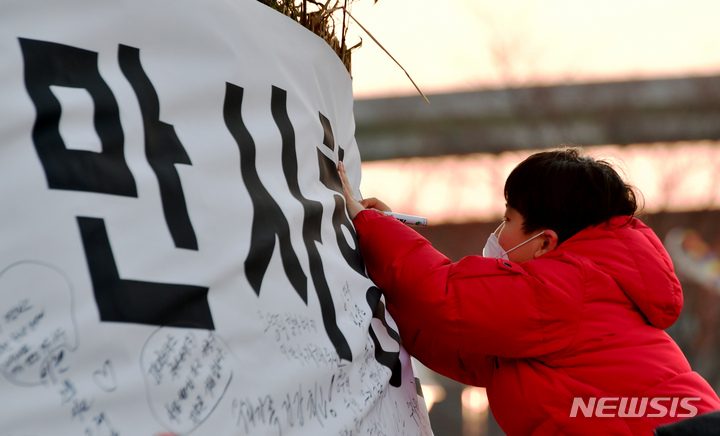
<point>374,203</point>
<point>353,206</point>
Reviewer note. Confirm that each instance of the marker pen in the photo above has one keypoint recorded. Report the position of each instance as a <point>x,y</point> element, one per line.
<point>408,219</point>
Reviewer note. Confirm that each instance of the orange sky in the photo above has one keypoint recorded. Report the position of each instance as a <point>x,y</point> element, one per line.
<point>465,45</point>
<point>679,176</point>
<point>454,45</point>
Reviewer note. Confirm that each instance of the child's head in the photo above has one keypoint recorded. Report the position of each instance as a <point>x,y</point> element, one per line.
<point>565,191</point>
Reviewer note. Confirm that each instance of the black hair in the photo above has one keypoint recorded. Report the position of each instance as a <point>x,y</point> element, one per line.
<point>564,191</point>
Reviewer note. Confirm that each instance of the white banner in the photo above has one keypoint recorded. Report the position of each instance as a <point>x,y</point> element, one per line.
<point>175,256</point>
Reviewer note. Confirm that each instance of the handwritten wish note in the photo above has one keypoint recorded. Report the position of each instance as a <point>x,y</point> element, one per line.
<point>186,375</point>
<point>38,334</point>
<point>37,328</point>
<point>339,403</point>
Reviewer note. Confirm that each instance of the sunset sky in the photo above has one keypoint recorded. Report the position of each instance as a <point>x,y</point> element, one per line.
<point>461,45</point>
<point>670,177</point>
<point>469,45</point>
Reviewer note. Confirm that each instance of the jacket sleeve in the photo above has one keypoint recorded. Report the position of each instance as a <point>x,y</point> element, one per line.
<point>455,317</point>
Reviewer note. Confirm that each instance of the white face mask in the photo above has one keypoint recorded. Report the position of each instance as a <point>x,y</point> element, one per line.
<point>493,249</point>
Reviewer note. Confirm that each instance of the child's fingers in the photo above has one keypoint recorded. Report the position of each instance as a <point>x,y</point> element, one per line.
<point>374,203</point>
<point>347,190</point>
<point>343,174</point>
<point>353,206</point>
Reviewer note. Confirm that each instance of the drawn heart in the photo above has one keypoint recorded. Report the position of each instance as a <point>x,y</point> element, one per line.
<point>105,378</point>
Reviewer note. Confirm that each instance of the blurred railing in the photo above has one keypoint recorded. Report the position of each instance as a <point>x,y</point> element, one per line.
<point>500,120</point>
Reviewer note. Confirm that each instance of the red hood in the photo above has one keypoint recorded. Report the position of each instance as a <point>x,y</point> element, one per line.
<point>628,251</point>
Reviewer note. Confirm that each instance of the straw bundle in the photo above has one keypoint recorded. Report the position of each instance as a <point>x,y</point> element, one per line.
<point>329,20</point>
<point>323,18</point>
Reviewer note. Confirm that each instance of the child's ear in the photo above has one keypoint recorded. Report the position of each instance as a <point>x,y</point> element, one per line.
<point>549,242</point>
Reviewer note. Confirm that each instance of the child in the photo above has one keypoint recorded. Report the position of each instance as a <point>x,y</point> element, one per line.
<point>563,318</point>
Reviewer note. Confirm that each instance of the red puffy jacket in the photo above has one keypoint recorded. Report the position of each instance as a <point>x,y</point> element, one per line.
<point>578,331</point>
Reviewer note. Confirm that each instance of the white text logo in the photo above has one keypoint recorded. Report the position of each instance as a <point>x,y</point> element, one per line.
<point>624,407</point>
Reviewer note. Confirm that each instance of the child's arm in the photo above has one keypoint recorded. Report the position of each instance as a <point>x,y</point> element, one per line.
<point>452,317</point>
<point>428,332</point>
<point>426,349</point>
<point>478,306</point>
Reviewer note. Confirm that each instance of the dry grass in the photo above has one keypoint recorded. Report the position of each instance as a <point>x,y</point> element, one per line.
<point>329,20</point>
